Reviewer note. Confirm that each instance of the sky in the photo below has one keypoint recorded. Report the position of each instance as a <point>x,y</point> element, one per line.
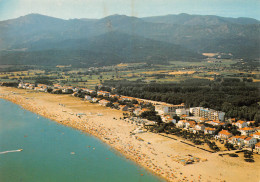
<point>69,9</point>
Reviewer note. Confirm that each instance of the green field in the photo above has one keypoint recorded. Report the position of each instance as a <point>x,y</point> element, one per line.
<point>175,71</point>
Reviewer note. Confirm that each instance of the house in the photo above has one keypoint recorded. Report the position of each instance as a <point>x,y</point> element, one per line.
<point>257,136</point>
<point>214,123</point>
<point>232,120</point>
<point>56,86</point>
<point>210,131</point>
<point>250,123</point>
<point>88,97</point>
<point>257,148</point>
<point>250,142</point>
<point>241,124</point>
<point>171,120</point>
<point>202,120</point>
<point>42,85</point>
<point>66,90</point>
<point>233,140</point>
<point>123,107</point>
<point>113,96</point>
<point>116,104</point>
<point>21,85</point>
<point>186,124</point>
<point>88,90</point>
<point>247,131</point>
<point>143,110</point>
<point>25,85</point>
<point>237,140</point>
<point>30,87</point>
<point>103,102</point>
<point>103,93</point>
<point>191,124</point>
<point>137,111</point>
<point>75,89</point>
<point>131,109</point>
<point>137,106</point>
<point>125,98</point>
<point>56,91</point>
<point>182,123</point>
<point>224,134</point>
<point>37,88</point>
<point>199,127</point>
<point>168,119</point>
<point>95,99</point>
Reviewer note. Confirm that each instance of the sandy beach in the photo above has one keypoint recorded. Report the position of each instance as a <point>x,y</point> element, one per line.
<point>159,156</point>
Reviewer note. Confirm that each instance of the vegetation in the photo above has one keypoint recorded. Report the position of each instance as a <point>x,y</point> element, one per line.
<point>236,98</point>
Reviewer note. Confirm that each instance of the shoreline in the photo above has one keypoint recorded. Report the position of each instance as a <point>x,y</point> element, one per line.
<point>116,150</point>
<point>156,157</point>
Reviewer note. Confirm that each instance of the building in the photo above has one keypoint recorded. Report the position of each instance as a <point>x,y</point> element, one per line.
<point>199,127</point>
<point>214,123</point>
<point>257,148</point>
<point>182,123</point>
<point>237,140</point>
<point>168,108</point>
<point>88,97</point>
<point>123,107</point>
<point>257,136</point>
<point>195,111</point>
<point>246,131</point>
<point>191,124</point>
<point>95,99</point>
<point>125,98</point>
<point>103,102</point>
<point>103,93</point>
<point>207,113</point>
<point>249,123</point>
<point>56,86</point>
<point>21,85</point>
<point>250,142</point>
<point>241,124</point>
<point>180,112</point>
<point>113,96</point>
<point>224,134</point>
<point>210,131</point>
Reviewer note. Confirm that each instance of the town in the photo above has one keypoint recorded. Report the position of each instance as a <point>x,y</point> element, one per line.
<point>175,119</point>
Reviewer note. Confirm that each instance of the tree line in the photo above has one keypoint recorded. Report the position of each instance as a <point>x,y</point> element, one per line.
<point>237,99</point>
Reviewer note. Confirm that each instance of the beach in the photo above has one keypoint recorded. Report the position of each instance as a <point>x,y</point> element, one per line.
<point>154,152</point>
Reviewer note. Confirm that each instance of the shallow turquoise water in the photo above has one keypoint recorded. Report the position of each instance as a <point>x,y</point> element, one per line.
<point>47,147</point>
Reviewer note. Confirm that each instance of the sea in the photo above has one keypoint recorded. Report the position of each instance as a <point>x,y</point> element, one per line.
<point>56,153</point>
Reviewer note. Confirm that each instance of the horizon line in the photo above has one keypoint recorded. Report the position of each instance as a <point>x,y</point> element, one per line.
<point>128,16</point>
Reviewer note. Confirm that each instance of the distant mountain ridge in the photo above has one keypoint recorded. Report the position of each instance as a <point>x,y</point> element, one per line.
<point>129,39</point>
<point>186,19</point>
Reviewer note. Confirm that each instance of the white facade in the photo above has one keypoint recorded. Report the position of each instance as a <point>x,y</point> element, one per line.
<point>180,112</point>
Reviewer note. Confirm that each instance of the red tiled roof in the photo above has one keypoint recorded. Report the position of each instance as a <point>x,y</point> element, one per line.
<point>224,132</point>
<point>241,122</point>
<point>249,138</point>
<point>258,144</point>
<point>210,129</point>
<point>246,128</point>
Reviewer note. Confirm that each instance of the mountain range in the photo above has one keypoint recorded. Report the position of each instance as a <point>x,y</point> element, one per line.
<point>44,40</point>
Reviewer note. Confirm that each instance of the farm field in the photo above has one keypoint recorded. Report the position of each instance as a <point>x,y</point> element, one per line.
<point>175,71</point>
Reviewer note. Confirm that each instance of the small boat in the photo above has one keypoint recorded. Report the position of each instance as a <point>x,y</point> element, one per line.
<point>5,152</point>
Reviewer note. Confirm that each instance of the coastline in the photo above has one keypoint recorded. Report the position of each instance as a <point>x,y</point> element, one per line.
<point>156,157</point>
